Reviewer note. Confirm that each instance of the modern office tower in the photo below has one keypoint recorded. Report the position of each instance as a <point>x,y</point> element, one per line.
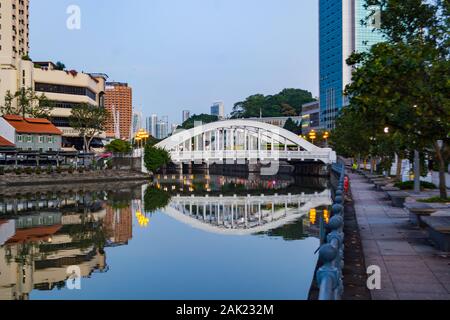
<point>119,103</point>
<point>186,115</point>
<point>151,123</point>
<point>310,116</point>
<point>136,123</point>
<point>16,70</point>
<point>162,128</point>
<point>218,109</point>
<point>341,32</point>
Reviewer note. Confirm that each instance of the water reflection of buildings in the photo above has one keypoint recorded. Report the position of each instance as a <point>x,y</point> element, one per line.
<point>40,238</point>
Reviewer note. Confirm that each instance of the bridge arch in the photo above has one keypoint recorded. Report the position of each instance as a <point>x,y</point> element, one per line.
<point>242,140</point>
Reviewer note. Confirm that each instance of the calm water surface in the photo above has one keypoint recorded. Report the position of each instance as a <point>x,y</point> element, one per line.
<point>188,237</point>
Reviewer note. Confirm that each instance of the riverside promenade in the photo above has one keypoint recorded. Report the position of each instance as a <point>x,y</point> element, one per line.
<point>411,268</point>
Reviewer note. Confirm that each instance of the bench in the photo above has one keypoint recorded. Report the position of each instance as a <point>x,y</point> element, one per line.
<point>387,189</point>
<point>439,231</point>
<point>417,211</point>
<point>381,183</point>
<point>398,198</point>
<point>374,176</point>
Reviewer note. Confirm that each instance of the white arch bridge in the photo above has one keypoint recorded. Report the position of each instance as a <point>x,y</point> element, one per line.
<point>233,141</point>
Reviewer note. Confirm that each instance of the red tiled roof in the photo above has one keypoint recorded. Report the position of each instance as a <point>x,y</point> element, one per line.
<point>5,143</point>
<point>34,234</point>
<point>30,125</point>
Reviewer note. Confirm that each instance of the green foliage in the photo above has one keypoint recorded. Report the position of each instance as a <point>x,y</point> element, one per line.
<point>292,126</point>
<point>203,118</point>
<point>89,121</point>
<point>28,103</point>
<point>155,158</point>
<point>119,146</point>
<point>60,66</point>
<point>409,185</point>
<point>435,200</point>
<point>38,171</point>
<point>18,171</point>
<point>2,171</point>
<point>155,199</point>
<point>26,57</point>
<point>28,170</point>
<point>287,103</point>
<point>403,83</point>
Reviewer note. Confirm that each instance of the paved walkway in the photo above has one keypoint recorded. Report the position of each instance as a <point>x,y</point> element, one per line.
<point>412,269</point>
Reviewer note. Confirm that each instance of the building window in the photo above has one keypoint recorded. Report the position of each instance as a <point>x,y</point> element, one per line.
<point>29,139</point>
<point>49,139</point>
<point>62,89</point>
<point>41,139</point>
<point>19,138</point>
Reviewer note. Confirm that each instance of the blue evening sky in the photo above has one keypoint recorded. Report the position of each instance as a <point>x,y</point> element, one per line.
<point>185,54</point>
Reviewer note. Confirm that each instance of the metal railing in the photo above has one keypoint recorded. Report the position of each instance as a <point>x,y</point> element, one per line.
<point>331,253</point>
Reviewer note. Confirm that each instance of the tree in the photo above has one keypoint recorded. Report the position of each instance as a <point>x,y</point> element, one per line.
<point>155,158</point>
<point>404,82</point>
<point>292,126</point>
<point>203,118</point>
<point>7,107</point>
<point>89,121</point>
<point>28,104</point>
<point>287,103</point>
<point>60,66</point>
<point>119,146</point>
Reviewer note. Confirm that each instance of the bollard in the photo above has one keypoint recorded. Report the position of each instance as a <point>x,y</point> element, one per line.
<point>337,209</point>
<point>339,200</point>
<point>328,275</point>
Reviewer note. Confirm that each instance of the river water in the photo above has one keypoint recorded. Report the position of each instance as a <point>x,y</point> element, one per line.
<point>177,237</point>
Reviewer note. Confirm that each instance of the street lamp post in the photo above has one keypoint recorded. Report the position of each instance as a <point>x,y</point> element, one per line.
<point>326,136</point>
<point>313,135</point>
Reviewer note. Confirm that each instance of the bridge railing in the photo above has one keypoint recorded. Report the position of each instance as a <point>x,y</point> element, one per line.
<point>318,155</point>
<point>331,254</point>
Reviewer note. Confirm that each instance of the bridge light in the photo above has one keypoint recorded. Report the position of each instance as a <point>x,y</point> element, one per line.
<point>326,216</point>
<point>312,135</point>
<point>313,216</point>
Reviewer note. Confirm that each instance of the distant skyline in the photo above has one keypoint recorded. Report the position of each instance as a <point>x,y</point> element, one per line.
<point>184,55</point>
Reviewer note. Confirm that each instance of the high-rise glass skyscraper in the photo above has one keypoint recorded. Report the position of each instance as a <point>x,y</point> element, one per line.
<point>342,30</point>
<point>151,125</point>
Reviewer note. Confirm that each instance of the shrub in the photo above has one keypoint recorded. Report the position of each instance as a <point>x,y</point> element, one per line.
<point>155,158</point>
<point>409,185</point>
<point>59,170</point>
<point>38,170</point>
<point>2,171</point>
<point>49,170</point>
<point>435,200</point>
<point>70,170</point>
<point>18,170</point>
<point>119,146</point>
<point>80,169</point>
<point>28,170</point>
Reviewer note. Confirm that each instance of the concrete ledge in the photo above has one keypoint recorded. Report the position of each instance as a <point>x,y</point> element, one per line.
<point>398,198</point>
<point>439,231</point>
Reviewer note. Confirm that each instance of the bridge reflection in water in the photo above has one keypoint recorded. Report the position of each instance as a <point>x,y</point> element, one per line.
<point>214,207</point>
